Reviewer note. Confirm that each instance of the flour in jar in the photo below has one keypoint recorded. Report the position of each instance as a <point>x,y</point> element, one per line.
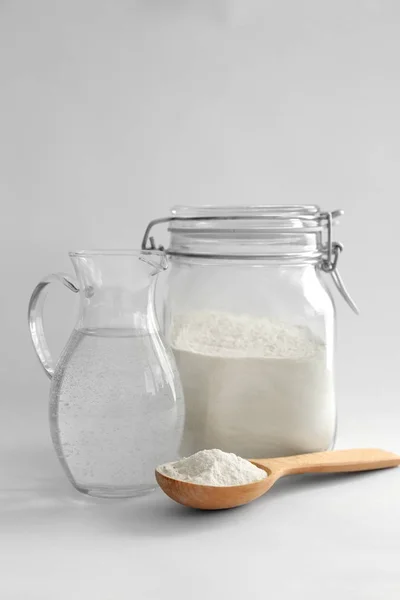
<point>253,386</point>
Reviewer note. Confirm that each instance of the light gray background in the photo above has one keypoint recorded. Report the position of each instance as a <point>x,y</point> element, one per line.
<point>111,112</point>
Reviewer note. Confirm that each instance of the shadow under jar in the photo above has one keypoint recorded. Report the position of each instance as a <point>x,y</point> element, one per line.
<point>252,326</point>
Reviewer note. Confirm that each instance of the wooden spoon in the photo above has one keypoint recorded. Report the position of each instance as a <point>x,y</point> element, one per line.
<point>208,497</point>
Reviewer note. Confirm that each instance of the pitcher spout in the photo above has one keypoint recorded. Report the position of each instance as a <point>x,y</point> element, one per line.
<point>156,259</point>
<point>117,286</point>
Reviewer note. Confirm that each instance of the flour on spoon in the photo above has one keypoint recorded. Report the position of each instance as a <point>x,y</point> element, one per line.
<point>213,467</point>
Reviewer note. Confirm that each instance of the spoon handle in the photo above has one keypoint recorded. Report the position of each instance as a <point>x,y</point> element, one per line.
<point>336,461</point>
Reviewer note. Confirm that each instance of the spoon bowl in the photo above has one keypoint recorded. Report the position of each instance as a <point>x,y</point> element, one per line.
<point>207,497</point>
<point>211,497</point>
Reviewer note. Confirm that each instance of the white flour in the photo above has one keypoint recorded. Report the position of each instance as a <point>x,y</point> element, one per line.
<point>252,386</point>
<point>213,467</point>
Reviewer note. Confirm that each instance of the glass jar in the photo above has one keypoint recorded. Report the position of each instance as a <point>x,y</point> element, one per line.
<point>252,325</point>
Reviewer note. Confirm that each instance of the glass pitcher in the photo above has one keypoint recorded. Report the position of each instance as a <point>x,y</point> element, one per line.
<point>116,405</point>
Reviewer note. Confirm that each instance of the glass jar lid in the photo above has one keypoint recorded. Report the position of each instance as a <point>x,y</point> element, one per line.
<point>291,232</point>
<point>245,217</point>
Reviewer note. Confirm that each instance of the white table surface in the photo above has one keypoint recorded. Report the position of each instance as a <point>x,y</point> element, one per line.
<point>311,537</point>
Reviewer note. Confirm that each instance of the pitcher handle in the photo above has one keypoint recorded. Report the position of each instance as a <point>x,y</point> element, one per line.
<point>35,317</point>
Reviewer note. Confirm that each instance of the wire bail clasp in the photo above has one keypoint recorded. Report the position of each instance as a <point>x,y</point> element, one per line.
<point>329,263</point>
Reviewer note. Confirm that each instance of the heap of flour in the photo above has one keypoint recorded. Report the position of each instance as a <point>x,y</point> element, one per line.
<point>253,386</point>
<point>213,467</point>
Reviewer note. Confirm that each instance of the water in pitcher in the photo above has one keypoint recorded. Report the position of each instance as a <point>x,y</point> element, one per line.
<point>113,412</point>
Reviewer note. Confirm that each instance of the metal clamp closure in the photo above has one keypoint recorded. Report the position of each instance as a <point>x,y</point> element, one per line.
<point>328,264</point>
